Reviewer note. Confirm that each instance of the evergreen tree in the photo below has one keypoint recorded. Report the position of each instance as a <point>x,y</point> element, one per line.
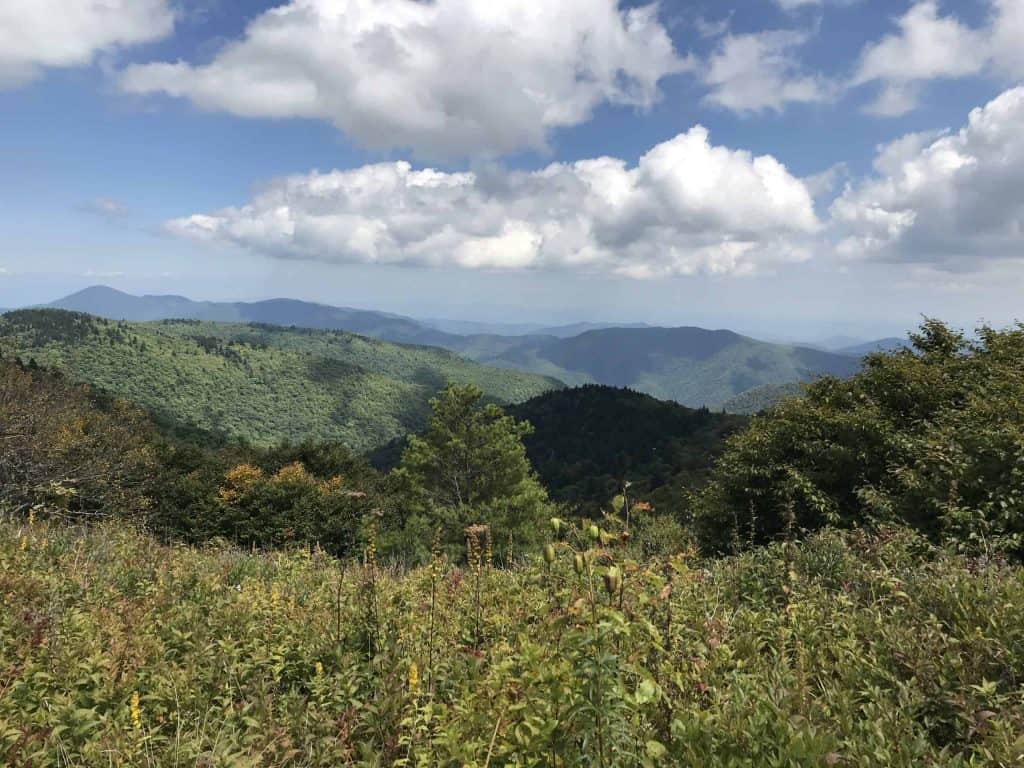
<point>468,467</point>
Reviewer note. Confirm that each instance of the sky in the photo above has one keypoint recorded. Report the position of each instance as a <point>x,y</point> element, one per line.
<point>786,168</point>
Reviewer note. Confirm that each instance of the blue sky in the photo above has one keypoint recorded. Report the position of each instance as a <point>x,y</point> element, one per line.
<point>790,169</point>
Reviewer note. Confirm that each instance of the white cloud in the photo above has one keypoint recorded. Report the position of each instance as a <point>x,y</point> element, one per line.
<point>821,185</point>
<point>795,5</point>
<point>106,207</point>
<point>929,46</point>
<point>36,34</point>
<point>687,207</point>
<point>444,78</point>
<point>953,200</point>
<point>1008,37</point>
<point>756,72</point>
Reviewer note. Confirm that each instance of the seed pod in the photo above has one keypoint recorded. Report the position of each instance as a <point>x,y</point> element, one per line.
<point>613,580</point>
<point>549,554</point>
<point>595,532</point>
<point>556,526</point>
<point>577,562</point>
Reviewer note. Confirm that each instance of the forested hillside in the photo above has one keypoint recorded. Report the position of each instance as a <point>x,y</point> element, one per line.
<point>762,398</point>
<point>588,441</point>
<point>692,366</point>
<point>257,383</point>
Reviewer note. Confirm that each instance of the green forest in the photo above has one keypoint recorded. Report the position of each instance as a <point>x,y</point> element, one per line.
<point>256,383</point>
<point>589,577</point>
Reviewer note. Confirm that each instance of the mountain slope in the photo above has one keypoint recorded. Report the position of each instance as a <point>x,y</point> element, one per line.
<point>691,366</point>
<point>116,305</point>
<point>260,383</point>
<point>588,440</point>
<point>888,344</point>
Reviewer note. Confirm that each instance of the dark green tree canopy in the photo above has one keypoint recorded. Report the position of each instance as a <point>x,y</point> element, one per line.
<point>469,466</point>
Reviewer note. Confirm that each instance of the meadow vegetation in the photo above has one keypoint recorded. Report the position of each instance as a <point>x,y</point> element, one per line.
<point>846,649</point>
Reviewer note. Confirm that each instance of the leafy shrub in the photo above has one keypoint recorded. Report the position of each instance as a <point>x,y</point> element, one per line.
<point>932,436</point>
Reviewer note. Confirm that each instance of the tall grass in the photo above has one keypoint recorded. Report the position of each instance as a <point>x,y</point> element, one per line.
<point>843,650</point>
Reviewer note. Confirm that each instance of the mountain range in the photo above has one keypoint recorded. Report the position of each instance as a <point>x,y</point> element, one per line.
<point>257,383</point>
<point>692,366</point>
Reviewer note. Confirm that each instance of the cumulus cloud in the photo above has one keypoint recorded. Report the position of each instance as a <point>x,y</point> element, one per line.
<point>930,46</point>
<point>444,78</point>
<point>760,71</point>
<point>35,34</point>
<point>1007,34</point>
<point>686,207</point>
<point>952,200</point>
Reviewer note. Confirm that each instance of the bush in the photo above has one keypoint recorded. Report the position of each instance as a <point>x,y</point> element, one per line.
<point>932,436</point>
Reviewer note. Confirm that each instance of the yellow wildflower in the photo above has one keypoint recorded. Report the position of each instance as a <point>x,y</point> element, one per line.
<point>319,669</point>
<point>414,677</point>
<point>136,714</point>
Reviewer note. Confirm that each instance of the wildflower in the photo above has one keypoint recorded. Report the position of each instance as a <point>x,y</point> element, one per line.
<point>318,669</point>
<point>31,517</point>
<point>24,543</point>
<point>436,556</point>
<point>414,677</point>
<point>370,553</point>
<point>613,580</point>
<point>478,546</point>
<point>136,714</point>
<point>578,562</point>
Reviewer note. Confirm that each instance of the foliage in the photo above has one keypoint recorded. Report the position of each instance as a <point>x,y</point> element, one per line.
<point>257,383</point>
<point>847,649</point>
<point>468,467</point>
<point>933,436</point>
<point>290,506</point>
<point>588,441</point>
<point>69,448</point>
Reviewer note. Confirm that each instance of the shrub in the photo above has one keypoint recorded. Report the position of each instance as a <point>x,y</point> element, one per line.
<point>932,436</point>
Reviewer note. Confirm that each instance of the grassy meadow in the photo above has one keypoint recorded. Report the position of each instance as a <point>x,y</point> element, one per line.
<point>847,649</point>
